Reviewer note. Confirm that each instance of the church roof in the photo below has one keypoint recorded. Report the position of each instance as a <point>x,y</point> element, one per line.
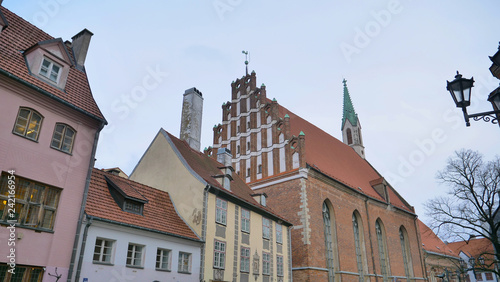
<point>348,108</point>
<point>339,161</point>
<point>18,38</point>
<point>432,243</point>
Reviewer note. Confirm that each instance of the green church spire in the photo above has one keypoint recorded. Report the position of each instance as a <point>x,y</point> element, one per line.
<point>349,112</point>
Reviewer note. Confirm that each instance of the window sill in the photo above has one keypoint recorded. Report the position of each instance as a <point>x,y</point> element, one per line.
<point>27,138</point>
<point>135,266</point>
<point>57,149</point>
<point>36,229</point>
<point>102,263</point>
<point>222,224</point>
<point>247,232</point>
<point>183,272</point>
<point>163,270</point>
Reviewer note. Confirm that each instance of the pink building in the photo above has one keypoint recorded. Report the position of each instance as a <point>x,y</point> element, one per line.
<point>48,136</point>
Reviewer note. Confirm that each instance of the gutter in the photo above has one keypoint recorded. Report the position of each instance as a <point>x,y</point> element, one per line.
<point>84,201</point>
<point>48,94</point>
<point>204,231</point>
<point>82,248</point>
<point>290,275</point>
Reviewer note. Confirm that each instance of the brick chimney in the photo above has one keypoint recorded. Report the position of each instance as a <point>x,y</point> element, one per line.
<point>80,45</point>
<point>192,110</point>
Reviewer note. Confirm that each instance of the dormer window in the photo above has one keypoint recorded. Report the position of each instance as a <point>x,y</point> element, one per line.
<point>133,207</point>
<point>50,70</point>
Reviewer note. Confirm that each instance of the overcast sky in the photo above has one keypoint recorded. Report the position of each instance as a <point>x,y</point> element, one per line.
<point>395,55</point>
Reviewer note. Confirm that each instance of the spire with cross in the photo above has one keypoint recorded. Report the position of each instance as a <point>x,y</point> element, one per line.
<point>246,60</point>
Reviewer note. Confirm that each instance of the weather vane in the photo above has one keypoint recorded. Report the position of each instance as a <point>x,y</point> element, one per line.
<point>246,60</point>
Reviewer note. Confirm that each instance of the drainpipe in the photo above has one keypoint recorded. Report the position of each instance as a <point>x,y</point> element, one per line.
<point>82,248</point>
<point>204,231</point>
<point>84,201</point>
<point>370,238</point>
<point>290,276</point>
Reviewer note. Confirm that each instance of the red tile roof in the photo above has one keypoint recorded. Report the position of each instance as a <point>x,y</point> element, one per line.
<point>206,167</point>
<point>474,248</point>
<point>19,36</point>
<point>158,215</point>
<point>338,160</point>
<point>432,243</point>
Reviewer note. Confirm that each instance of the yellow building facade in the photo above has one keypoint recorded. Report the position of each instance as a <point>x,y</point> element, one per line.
<point>244,239</point>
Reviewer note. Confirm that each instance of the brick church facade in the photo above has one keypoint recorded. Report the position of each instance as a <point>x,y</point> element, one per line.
<point>349,223</point>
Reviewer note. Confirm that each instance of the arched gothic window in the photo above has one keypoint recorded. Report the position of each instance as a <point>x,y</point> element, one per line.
<point>328,242</point>
<point>382,250</point>
<point>357,242</point>
<point>349,136</point>
<point>405,247</point>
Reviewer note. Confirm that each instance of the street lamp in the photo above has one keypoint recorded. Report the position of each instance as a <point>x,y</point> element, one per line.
<point>460,90</point>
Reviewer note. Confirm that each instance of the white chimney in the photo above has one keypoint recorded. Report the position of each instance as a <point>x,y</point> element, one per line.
<point>192,110</point>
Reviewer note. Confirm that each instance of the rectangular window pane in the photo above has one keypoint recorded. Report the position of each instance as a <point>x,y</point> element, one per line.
<point>48,219</point>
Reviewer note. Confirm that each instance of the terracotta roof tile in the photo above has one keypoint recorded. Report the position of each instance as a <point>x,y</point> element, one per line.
<point>19,36</point>
<point>432,243</point>
<point>206,167</point>
<point>338,160</point>
<point>474,247</point>
<point>159,213</point>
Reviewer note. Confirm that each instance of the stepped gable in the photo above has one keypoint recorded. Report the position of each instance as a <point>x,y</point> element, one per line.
<point>207,167</point>
<point>158,214</point>
<point>19,37</point>
<point>432,243</point>
<point>338,160</point>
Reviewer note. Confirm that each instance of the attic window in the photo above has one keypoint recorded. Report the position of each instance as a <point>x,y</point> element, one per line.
<point>133,207</point>
<point>50,70</point>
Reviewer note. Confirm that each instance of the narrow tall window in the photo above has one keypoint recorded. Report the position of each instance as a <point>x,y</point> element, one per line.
<point>328,242</point>
<point>245,220</point>
<point>245,260</point>
<point>357,242</point>
<point>266,263</point>
<point>219,254</point>
<point>382,250</point>
<point>63,138</point>
<point>405,247</point>
<point>221,211</point>
<point>349,136</point>
<point>266,228</point>
<point>50,70</point>
<point>279,233</point>
<point>28,123</point>
<point>279,265</point>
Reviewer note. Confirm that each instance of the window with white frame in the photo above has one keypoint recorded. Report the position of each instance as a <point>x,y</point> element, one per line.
<point>135,255</point>
<point>28,123</point>
<point>163,259</point>
<point>103,250</point>
<point>279,233</point>
<point>245,220</point>
<point>184,263</point>
<point>35,203</point>
<point>266,228</point>
<point>221,211</point>
<point>279,265</point>
<point>63,138</point>
<point>219,254</point>
<point>245,260</point>
<point>266,263</point>
<point>50,70</point>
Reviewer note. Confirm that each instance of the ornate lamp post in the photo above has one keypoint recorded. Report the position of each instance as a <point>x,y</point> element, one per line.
<point>460,90</point>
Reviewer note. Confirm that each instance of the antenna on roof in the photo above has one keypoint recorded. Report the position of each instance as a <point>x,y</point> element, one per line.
<point>246,60</point>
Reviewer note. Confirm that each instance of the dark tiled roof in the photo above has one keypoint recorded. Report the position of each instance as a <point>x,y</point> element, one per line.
<point>432,243</point>
<point>206,167</point>
<point>159,213</point>
<point>18,37</point>
<point>337,160</point>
